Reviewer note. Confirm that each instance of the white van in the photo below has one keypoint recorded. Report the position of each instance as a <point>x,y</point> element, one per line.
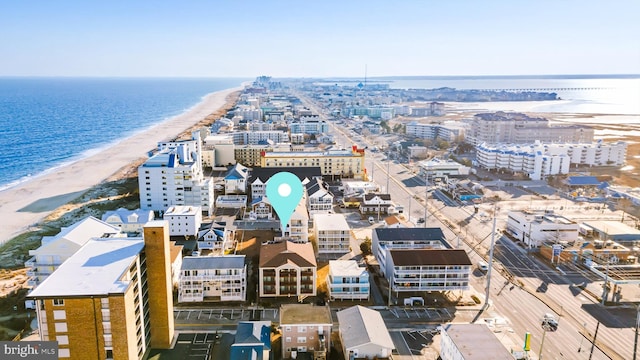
<point>483,266</point>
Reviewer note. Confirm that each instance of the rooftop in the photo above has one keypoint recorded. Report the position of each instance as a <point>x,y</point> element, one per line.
<point>361,326</point>
<point>430,257</point>
<point>304,314</point>
<point>346,268</point>
<point>401,234</point>
<point>96,269</point>
<point>287,252</point>
<point>212,262</point>
<point>476,341</point>
<point>330,222</point>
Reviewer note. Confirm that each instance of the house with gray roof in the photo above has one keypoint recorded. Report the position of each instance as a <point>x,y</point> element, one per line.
<point>363,334</point>
<point>129,221</point>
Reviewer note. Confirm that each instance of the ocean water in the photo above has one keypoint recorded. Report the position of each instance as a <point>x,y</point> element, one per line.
<point>46,123</point>
<point>589,94</point>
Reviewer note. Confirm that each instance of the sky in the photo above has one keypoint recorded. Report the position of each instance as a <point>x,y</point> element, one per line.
<point>323,38</point>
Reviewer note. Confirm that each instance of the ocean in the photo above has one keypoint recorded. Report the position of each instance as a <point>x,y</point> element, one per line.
<point>47,123</point>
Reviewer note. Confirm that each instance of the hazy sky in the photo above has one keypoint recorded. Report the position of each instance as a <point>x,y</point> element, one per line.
<point>318,38</point>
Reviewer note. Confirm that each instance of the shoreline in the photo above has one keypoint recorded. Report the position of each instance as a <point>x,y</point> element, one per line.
<point>29,202</point>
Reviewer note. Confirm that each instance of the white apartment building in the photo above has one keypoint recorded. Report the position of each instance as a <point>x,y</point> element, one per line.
<point>332,233</point>
<point>540,160</point>
<point>319,199</point>
<point>213,278</point>
<point>535,229</point>
<point>174,177</point>
<point>249,113</point>
<point>129,221</point>
<point>427,270</point>
<point>183,220</point>
<point>54,250</point>
<point>309,125</point>
<point>448,131</point>
<point>255,137</point>
<point>347,281</point>
<point>405,238</point>
<point>260,126</point>
<point>298,229</point>
<point>517,128</point>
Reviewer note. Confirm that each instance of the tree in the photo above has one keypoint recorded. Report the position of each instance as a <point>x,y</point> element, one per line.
<point>365,246</point>
<point>384,125</point>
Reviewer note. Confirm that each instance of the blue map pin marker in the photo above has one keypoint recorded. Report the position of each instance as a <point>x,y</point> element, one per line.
<point>284,191</point>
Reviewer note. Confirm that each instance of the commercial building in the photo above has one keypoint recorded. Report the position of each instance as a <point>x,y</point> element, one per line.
<point>257,137</point>
<point>287,269</point>
<point>517,128</point>
<point>535,229</point>
<point>347,280</point>
<point>363,334</point>
<point>310,124</point>
<point>305,329</point>
<point>471,342</point>
<point>341,163</point>
<point>213,278</point>
<point>448,131</point>
<point>332,234</point>
<point>437,168</point>
<point>174,176</point>
<point>111,300</point>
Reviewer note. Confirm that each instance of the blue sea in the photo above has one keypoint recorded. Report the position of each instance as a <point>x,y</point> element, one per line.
<point>46,123</point>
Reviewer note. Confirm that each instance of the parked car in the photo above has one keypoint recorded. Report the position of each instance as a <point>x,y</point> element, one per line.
<point>421,220</point>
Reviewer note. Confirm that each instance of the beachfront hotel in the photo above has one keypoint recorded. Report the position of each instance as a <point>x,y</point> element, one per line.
<point>112,299</point>
<point>173,177</point>
<point>342,163</point>
<point>538,160</point>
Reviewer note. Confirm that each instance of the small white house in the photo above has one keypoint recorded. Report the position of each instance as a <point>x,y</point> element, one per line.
<point>363,334</point>
<point>183,220</point>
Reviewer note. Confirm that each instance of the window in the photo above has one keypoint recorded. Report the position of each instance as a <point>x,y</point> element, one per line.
<point>109,354</point>
<point>63,353</point>
<point>302,329</point>
<point>59,315</point>
<point>58,302</point>
<point>61,327</point>
<point>302,340</point>
<point>287,339</point>
<point>62,339</point>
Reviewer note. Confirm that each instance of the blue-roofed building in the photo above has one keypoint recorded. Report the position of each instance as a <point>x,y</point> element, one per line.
<point>235,182</point>
<point>253,341</point>
<point>582,181</point>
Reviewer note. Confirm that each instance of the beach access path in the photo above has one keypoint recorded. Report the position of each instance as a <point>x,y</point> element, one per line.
<point>26,204</point>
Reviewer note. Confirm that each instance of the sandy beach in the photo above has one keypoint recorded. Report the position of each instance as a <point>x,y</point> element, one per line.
<point>26,204</point>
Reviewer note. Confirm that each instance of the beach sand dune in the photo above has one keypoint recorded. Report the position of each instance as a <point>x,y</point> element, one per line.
<point>28,203</point>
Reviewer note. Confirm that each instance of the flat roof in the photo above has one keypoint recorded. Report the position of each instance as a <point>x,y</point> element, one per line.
<point>330,222</point>
<point>305,314</point>
<point>212,262</point>
<point>612,227</point>
<point>409,257</point>
<point>476,342</point>
<point>95,269</point>
<point>346,268</point>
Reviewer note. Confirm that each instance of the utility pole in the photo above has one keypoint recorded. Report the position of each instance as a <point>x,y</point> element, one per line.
<point>388,176</point>
<point>635,341</point>
<point>493,239</point>
<point>593,342</point>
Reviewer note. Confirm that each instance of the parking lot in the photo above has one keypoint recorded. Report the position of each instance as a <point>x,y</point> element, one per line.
<point>196,346</point>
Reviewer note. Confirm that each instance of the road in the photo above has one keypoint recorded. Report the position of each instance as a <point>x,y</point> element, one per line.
<point>522,288</point>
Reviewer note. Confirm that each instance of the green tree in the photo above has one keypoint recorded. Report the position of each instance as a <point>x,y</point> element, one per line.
<point>365,246</point>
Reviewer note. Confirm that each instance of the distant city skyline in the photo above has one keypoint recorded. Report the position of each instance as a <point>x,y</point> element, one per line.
<point>318,39</point>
